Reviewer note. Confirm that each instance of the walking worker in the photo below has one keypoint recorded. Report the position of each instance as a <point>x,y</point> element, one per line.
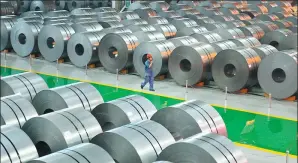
<point>148,73</point>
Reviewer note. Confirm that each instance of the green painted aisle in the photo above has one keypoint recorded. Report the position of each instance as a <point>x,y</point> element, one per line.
<point>256,130</point>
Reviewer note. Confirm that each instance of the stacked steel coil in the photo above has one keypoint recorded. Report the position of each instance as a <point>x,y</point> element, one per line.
<point>247,42</point>
<point>222,45</point>
<point>253,31</point>
<point>141,27</point>
<point>267,26</point>
<point>6,26</point>
<point>157,20</point>
<point>38,5</point>
<point>86,27</point>
<point>169,30</point>
<point>7,8</point>
<point>110,24</point>
<point>128,15</point>
<point>235,23</point>
<point>264,50</point>
<point>290,42</point>
<point>191,30</point>
<point>145,13</point>
<point>149,36</point>
<point>231,33</point>
<point>183,23</point>
<point>274,38</point>
<point>213,26</point>
<point>208,37</point>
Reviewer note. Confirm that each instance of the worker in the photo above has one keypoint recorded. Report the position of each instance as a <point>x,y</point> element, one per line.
<point>148,73</point>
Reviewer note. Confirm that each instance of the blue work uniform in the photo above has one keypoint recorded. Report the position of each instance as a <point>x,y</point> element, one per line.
<point>148,75</point>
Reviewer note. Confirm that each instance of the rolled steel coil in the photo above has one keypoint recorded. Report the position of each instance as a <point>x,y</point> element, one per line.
<point>231,33</point>
<point>222,45</point>
<point>184,12</point>
<point>78,153</point>
<point>180,6</point>
<point>235,23</point>
<point>86,27</point>
<point>191,63</point>
<point>146,13</point>
<point>185,40</point>
<point>251,13</point>
<point>16,110</point>
<point>259,8</point>
<point>247,42</point>
<point>103,19</point>
<point>157,20</point>
<point>195,16</point>
<point>203,21</point>
<point>127,15</point>
<point>229,11</point>
<point>270,5</point>
<point>24,5</point>
<point>16,146</point>
<point>138,5</point>
<point>6,26</point>
<point>141,27</point>
<point>208,37</point>
<point>168,30</point>
<point>222,18</point>
<point>267,17</point>
<point>274,38</point>
<point>83,16</point>
<point>79,95</point>
<point>293,28</point>
<point>264,50</point>
<point>122,111</point>
<point>60,4</point>
<point>253,30</point>
<point>6,8</point>
<point>284,3</point>
<point>34,19</point>
<point>160,51</point>
<point>29,14</point>
<point>153,137</point>
<point>170,15</point>
<point>252,21</point>
<point>191,30</point>
<point>149,36</point>
<point>280,9</point>
<point>117,30</point>
<point>138,21</point>
<point>116,51</point>
<point>83,11</point>
<point>212,147</point>
<point>282,15</point>
<point>214,26</point>
<point>105,9</point>
<point>199,116</point>
<point>292,19</point>
<point>73,4</point>
<point>190,3</point>
<point>279,72</point>
<point>84,20</point>
<point>233,5</point>
<point>283,23</point>
<point>159,6</point>
<point>108,15</point>
<point>242,16</point>
<point>290,42</point>
<point>210,11</point>
<point>57,21</point>
<point>38,5</point>
<point>212,4</point>
<point>61,129</point>
<point>58,13</point>
<point>110,24</point>
<point>267,26</point>
<point>82,48</point>
<point>237,73</point>
<point>183,23</point>
<point>52,41</point>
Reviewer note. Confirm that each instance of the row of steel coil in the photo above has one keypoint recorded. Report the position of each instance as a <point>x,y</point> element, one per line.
<point>73,124</point>
<point>231,44</point>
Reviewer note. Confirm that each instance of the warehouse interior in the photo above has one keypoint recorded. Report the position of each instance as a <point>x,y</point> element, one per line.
<point>225,80</point>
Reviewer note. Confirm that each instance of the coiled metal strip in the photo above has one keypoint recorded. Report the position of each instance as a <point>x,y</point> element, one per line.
<point>169,30</point>
<point>253,30</point>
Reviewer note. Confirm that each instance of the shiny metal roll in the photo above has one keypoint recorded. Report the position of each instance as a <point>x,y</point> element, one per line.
<point>146,13</point>
<point>283,3</point>
<point>211,4</point>
<point>61,129</point>
<point>110,24</point>
<point>117,30</point>
<point>128,15</point>
<point>16,146</point>
<point>160,51</point>
<point>85,20</point>
<point>242,16</point>
<point>103,19</point>
<point>58,13</point>
<point>253,30</point>
<point>34,19</point>
<point>183,23</point>
<point>213,26</point>
<point>141,27</point>
<point>247,41</point>
<point>283,23</point>
<point>222,45</point>
<point>279,72</point>
<point>235,23</point>
<point>168,30</point>
<point>208,37</point>
<point>279,9</point>
<point>83,11</point>
<point>229,11</point>
<point>6,26</point>
<point>209,11</point>
<point>38,5</point>
<point>170,15</point>
<point>60,4</point>
<point>122,111</point>
<point>191,63</point>
<point>274,38</point>
<point>191,30</point>
<point>134,138</point>
<point>86,27</point>
<point>138,5</point>
<point>82,48</point>
<point>267,26</point>
<point>58,21</point>
<point>195,16</point>
<point>29,14</point>
<point>231,33</point>
<point>251,13</point>
<point>105,9</point>
<point>159,6</point>
<point>212,147</point>
<point>179,6</point>
<point>115,15</point>
<point>282,15</point>
<point>116,51</point>
<point>203,20</point>
<point>184,40</point>
<point>259,8</point>
<point>24,5</point>
<point>292,19</point>
<point>267,17</point>
<point>137,21</point>
<point>222,18</point>
<point>52,41</point>
<point>198,116</point>
<point>264,50</point>
<point>16,110</point>
<point>149,36</point>
<point>236,69</point>
<point>234,5</point>
<point>290,42</point>
<point>23,37</point>
<point>157,20</point>
<point>251,22</point>
<point>184,12</point>
<point>77,95</point>
<point>293,28</point>
<point>73,4</point>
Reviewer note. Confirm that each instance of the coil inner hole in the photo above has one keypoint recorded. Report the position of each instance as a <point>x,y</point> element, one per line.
<point>230,70</point>
<point>37,8</point>
<point>274,43</point>
<point>79,49</point>
<point>113,52</point>
<point>49,110</point>
<point>74,4</point>
<point>185,65</point>
<point>22,38</point>
<point>278,75</point>
<point>144,58</point>
<point>43,148</point>
<point>50,42</point>
<point>108,126</point>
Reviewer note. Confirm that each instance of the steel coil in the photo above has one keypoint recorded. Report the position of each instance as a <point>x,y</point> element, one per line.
<point>252,21</point>
<point>292,19</point>
<point>57,22</point>
<point>210,11</point>
<point>29,14</point>
<point>170,15</point>
<point>128,15</point>
<point>138,5</point>
<point>58,13</point>
<point>293,28</point>
<point>160,51</point>
<point>179,6</point>
<point>259,8</point>
<point>86,27</point>
<point>24,5</point>
<point>116,51</point>
<point>159,6</point>
<point>110,24</point>
<point>212,4</point>
<point>82,95</point>
<point>267,17</point>
<point>184,12</point>
<point>183,23</point>
<point>146,13</point>
<point>149,36</point>
<point>235,23</point>
<point>222,45</point>
<point>117,30</point>
<point>61,129</point>
<point>264,50</point>
<point>16,146</point>
<point>83,11</point>
<point>60,4</point>
<point>280,9</point>
<point>274,38</point>
<point>229,11</point>
<point>6,26</point>
<point>208,37</point>
<point>84,20</point>
<point>185,40</point>
<point>237,73</point>
<point>38,5</point>
<point>73,4</point>
<point>222,18</point>
<point>6,8</point>
<point>212,147</point>
<point>191,30</point>
<point>105,9</point>
<point>214,26</point>
<point>203,21</point>
<point>282,15</point>
<point>195,16</point>
<point>290,42</point>
<point>34,19</point>
<point>190,3</point>
<point>283,23</point>
<point>103,19</point>
<point>231,33</point>
<point>16,5</point>
<point>191,63</point>
<point>241,16</point>
<point>247,42</point>
<point>141,27</point>
<point>267,26</point>
<point>168,30</point>
<point>283,3</point>
<point>122,111</point>
<point>233,5</point>
<point>279,72</point>
<point>115,15</point>
<point>253,31</point>
<point>16,110</point>
<point>138,21</point>
<point>82,48</point>
<point>251,13</point>
<point>134,138</point>
<point>157,20</point>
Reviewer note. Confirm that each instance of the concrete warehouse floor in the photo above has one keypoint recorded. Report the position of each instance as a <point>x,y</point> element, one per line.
<point>251,103</point>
